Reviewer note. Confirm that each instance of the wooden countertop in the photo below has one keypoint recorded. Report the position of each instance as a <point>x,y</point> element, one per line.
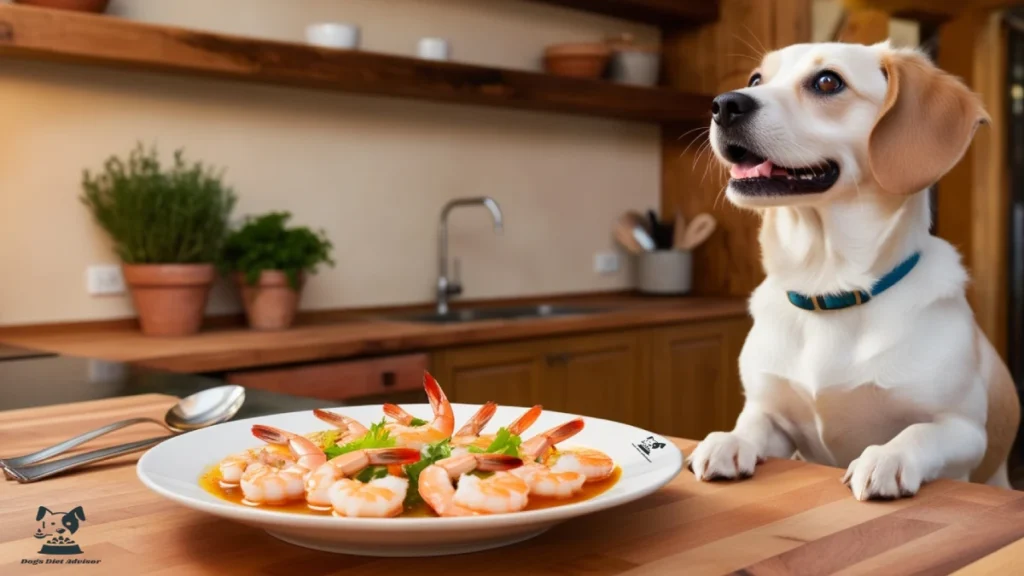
<point>334,336</point>
<point>791,518</point>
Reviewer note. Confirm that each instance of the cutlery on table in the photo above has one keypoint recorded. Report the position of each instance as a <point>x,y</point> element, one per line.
<point>202,409</point>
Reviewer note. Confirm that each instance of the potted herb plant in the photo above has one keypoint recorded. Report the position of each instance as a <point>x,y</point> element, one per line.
<point>168,226</point>
<point>270,262</point>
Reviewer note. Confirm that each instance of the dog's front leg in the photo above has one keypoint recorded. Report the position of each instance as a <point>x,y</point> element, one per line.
<point>730,455</point>
<point>950,446</point>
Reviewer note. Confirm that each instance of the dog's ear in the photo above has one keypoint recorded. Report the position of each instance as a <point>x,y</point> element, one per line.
<point>77,512</point>
<point>927,122</point>
<point>43,511</point>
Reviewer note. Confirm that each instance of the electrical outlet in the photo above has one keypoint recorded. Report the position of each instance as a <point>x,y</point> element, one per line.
<point>606,263</point>
<point>104,280</point>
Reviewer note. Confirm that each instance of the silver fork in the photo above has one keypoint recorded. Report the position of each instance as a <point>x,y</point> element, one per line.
<point>29,474</point>
<point>47,453</point>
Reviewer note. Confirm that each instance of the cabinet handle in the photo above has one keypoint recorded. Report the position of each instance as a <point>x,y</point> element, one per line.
<point>556,359</point>
<point>387,379</point>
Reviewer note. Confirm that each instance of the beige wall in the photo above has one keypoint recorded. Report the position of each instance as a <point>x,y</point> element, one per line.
<point>373,172</point>
<point>826,15</point>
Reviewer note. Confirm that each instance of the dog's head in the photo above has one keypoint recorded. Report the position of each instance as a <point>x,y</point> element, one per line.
<point>818,121</point>
<point>51,523</point>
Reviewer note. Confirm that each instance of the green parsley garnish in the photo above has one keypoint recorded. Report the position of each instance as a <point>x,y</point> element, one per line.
<point>377,437</point>
<point>372,473</point>
<point>417,422</point>
<point>504,442</point>
<point>430,454</point>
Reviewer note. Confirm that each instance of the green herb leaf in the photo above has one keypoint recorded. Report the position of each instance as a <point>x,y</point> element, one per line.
<point>266,243</point>
<point>372,473</point>
<point>504,442</point>
<point>429,455</point>
<point>418,422</point>
<point>377,437</point>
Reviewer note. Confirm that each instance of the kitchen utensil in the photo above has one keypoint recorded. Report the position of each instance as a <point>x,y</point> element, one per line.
<point>587,60</point>
<point>665,272</point>
<point>96,6</point>
<point>172,469</point>
<point>202,409</point>
<point>638,229</point>
<point>633,63</point>
<point>433,49</point>
<point>698,231</point>
<point>624,236</point>
<point>679,232</point>
<point>333,35</point>
<point>660,232</point>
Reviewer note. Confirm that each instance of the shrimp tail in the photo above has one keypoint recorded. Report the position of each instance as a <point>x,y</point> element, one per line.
<point>388,456</point>
<point>497,462</point>
<point>479,420</point>
<point>397,413</point>
<point>434,392</point>
<point>535,447</point>
<point>333,418</point>
<point>524,422</point>
<point>269,434</point>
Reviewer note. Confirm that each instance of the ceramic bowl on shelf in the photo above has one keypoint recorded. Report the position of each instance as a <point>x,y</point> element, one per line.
<point>173,469</point>
<point>96,6</point>
<point>579,60</point>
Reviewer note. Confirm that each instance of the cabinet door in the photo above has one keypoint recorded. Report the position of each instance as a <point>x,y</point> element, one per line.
<point>509,374</point>
<point>603,375</point>
<point>695,375</point>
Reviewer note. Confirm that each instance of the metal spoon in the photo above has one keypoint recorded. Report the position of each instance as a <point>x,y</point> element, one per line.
<point>202,409</point>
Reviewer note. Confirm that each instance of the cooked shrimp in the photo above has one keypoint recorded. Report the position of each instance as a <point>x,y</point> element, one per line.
<point>398,414</point>
<point>232,467</point>
<point>378,498</point>
<point>346,429</point>
<point>320,482</point>
<point>468,436</point>
<point>276,479</point>
<point>543,480</point>
<point>470,431</point>
<point>439,428</point>
<point>501,492</point>
<point>593,464</point>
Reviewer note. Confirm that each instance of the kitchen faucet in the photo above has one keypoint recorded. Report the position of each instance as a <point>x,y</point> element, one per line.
<point>451,287</point>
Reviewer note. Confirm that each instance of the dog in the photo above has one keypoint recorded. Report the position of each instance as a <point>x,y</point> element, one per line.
<point>864,353</point>
<point>59,540</point>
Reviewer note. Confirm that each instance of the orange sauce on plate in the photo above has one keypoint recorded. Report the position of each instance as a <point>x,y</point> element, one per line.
<point>210,481</point>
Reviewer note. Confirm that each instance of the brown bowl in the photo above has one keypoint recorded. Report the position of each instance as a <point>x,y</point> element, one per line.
<point>577,60</point>
<point>96,6</point>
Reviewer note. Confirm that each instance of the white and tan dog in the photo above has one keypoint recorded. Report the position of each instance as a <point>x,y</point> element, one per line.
<point>864,352</point>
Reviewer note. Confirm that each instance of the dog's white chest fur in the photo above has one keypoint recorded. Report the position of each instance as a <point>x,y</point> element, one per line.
<point>842,380</point>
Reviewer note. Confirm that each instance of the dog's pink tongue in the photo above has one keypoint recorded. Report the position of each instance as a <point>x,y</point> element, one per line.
<point>762,170</point>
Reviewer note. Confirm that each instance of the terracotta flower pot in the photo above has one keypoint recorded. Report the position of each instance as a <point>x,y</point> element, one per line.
<point>169,298</point>
<point>97,6</point>
<point>271,303</point>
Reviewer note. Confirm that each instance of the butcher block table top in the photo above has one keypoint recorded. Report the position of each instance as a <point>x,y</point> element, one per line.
<point>791,518</point>
<point>335,335</point>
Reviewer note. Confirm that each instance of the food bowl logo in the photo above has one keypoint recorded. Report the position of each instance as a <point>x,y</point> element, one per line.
<point>647,446</point>
<point>56,529</point>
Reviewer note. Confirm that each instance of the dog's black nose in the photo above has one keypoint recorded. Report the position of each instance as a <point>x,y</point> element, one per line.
<point>60,530</point>
<point>732,107</point>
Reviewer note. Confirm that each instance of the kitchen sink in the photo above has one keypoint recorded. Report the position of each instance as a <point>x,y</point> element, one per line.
<point>506,313</point>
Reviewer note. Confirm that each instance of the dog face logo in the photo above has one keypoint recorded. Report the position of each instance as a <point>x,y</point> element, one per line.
<point>647,446</point>
<point>56,528</point>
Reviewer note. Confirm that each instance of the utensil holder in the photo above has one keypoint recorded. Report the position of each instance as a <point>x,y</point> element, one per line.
<point>665,272</point>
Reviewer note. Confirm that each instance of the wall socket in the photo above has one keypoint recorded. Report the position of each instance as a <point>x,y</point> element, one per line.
<point>104,280</point>
<point>606,262</point>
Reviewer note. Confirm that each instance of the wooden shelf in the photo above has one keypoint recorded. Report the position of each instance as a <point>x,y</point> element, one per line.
<point>663,13</point>
<point>40,34</point>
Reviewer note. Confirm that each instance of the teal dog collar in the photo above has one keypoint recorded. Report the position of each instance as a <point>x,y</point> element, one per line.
<point>848,299</point>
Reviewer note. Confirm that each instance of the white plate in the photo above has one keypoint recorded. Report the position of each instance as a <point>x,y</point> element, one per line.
<point>172,469</point>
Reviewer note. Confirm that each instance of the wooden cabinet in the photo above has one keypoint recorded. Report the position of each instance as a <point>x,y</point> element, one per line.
<point>695,383</point>
<point>597,375</point>
<point>352,379</point>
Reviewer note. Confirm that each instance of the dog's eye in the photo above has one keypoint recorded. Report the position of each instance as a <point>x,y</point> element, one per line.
<point>827,82</point>
<point>754,80</point>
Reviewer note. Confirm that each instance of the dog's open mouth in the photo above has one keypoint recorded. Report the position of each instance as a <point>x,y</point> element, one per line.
<point>757,176</point>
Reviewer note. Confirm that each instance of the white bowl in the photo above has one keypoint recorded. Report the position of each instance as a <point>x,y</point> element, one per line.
<point>172,469</point>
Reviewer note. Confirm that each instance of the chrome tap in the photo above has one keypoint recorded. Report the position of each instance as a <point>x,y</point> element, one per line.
<point>446,287</point>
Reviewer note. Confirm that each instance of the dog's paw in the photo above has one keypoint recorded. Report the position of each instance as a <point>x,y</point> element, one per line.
<point>723,456</point>
<point>883,473</point>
